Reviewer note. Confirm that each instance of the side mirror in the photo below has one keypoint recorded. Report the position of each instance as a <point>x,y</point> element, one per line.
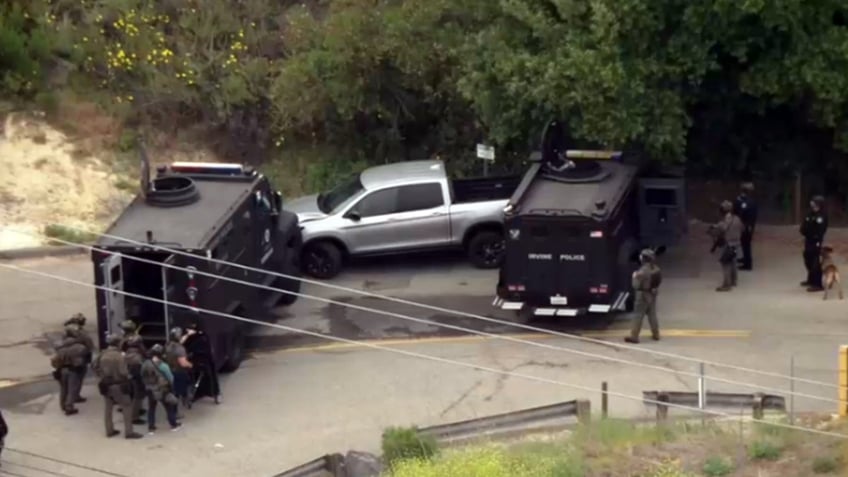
<point>353,215</point>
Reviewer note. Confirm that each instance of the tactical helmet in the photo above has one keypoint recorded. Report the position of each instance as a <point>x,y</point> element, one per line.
<point>647,255</point>
<point>748,186</point>
<point>76,319</point>
<point>726,206</point>
<point>176,332</point>
<point>818,200</point>
<point>113,340</point>
<point>128,326</point>
<point>157,350</point>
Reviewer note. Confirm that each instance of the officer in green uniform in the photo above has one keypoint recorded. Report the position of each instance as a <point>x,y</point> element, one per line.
<point>69,358</point>
<point>79,320</point>
<point>115,387</point>
<point>134,356</point>
<point>728,235</point>
<point>646,283</point>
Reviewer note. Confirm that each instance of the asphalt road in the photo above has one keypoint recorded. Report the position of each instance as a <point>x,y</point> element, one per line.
<point>296,399</point>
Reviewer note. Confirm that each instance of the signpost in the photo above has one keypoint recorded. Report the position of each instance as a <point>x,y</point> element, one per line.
<point>487,153</point>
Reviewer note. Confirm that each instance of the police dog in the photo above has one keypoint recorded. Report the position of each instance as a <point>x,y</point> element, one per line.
<point>830,273</point>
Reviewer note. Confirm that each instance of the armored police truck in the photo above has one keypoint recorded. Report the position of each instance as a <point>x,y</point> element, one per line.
<point>207,210</point>
<point>575,226</point>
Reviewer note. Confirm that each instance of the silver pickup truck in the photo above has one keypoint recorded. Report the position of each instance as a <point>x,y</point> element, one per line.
<point>403,207</point>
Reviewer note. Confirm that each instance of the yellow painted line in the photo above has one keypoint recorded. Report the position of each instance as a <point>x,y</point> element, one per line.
<point>524,336</point>
<point>5,383</point>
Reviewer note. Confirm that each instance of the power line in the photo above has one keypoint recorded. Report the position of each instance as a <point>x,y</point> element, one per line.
<point>60,461</point>
<point>412,353</point>
<point>455,312</point>
<point>460,328</point>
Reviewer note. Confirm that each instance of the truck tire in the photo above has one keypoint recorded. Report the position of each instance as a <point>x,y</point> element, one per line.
<point>486,249</point>
<point>236,354</point>
<point>322,260</point>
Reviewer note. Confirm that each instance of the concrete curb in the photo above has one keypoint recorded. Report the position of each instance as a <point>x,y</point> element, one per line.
<point>41,252</point>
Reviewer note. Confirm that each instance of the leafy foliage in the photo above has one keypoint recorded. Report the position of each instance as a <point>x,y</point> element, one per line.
<point>405,443</point>
<point>733,86</point>
<point>717,467</point>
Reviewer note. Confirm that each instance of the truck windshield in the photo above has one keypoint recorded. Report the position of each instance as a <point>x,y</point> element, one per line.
<point>331,200</point>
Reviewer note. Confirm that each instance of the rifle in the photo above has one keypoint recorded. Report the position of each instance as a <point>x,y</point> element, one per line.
<point>718,238</point>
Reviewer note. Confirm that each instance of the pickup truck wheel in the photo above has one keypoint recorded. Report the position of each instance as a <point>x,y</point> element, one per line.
<point>486,249</point>
<point>322,260</point>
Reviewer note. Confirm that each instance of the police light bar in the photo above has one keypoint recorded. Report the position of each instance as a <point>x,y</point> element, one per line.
<point>207,168</point>
<point>587,154</point>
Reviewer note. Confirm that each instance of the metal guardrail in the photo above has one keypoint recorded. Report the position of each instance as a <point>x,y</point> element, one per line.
<point>330,465</point>
<point>757,402</point>
<point>538,417</point>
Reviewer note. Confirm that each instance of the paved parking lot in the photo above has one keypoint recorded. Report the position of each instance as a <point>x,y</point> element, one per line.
<point>295,398</point>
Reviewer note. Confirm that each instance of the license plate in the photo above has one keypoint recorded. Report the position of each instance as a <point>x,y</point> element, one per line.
<point>559,300</point>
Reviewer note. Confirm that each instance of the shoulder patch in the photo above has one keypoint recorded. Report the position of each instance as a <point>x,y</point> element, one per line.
<point>819,220</point>
<point>744,205</point>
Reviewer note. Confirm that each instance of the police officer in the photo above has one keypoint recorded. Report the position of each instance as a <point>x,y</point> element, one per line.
<point>159,382</point>
<point>646,283</point>
<point>746,209</point>
<point>115,387</point>
<point>728,235</point>
<point>813,228</point>
<point>78,319</point>
<point>69,358</point>
<point>205,374</point>
<point>176,357</point>
<point>134,356</point>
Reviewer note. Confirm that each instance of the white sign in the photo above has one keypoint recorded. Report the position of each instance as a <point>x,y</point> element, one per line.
<point>486,152</point>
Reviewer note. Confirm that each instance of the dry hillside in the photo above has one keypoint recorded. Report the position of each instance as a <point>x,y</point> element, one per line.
<point>53,177</point>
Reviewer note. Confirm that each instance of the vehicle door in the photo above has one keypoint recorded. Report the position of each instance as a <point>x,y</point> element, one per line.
<point>264,233</point>
<point>662,211</point>
<point>367,223</point>
<point>113,280</point>
<point>566,260</point>
<point>169,294</point>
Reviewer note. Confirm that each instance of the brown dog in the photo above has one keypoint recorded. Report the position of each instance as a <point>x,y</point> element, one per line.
<point>830,273</point>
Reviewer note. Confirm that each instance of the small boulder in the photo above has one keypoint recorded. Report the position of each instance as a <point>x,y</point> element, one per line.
<point>362,464</point>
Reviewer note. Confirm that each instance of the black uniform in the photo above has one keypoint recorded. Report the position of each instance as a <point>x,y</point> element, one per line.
<point>813,229</point>
<point>4,429</point>
<point>204,372</point>
<point>745,208</point>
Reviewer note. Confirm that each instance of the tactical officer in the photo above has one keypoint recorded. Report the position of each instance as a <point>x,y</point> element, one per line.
<point>69,358</point>
<point>176,357</point>
<point>205,374</point>
<point>746,209</point>
<point>115,387</point>
<point>728,235</point>
<point>129,329</point>
<point>134,357</point>
<point>813,229</point>
<point>646,283</point>
<point>79,320</point>
<point>159,382</point>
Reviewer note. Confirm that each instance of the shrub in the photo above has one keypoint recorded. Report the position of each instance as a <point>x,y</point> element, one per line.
<point>669,469</point>
<point>67,234</point>
<point>490,461</point>
<point>826,465</point>
<point>717,466</point>
<point>764,450</point>
<point>403,443</point>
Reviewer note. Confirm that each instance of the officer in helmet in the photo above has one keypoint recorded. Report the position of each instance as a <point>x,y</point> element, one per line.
<point>78,320</point>
<point>646,283</point>
<point>813,228</point>
<point>728,239</point>
<point>130,330</point>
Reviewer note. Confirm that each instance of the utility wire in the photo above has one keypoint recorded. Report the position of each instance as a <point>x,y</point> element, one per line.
<point>459,328</point>
<point>454,312</point>
<point>412,353</point>
<point>60,461</point>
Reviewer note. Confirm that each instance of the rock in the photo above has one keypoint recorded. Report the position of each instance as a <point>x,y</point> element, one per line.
<point>362,464</point>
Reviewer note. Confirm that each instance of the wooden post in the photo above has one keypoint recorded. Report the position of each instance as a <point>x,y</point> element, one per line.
<point>758,406</point>
<point>843,381</point>
<point>662,409</point>
<point>604,400</point>
<point>584,411</point>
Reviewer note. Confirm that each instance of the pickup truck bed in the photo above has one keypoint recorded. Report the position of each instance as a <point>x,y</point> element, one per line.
<point>481,189</point>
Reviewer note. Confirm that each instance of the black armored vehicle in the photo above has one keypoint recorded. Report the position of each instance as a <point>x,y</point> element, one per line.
<point>575,226</point>
<point>207,210</point>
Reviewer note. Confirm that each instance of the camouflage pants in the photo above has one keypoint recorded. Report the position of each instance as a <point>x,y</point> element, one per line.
<point>646,304</point>
<point>69,388</point>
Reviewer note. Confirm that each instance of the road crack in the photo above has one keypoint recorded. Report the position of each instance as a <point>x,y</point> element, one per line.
<point>461,398</point>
